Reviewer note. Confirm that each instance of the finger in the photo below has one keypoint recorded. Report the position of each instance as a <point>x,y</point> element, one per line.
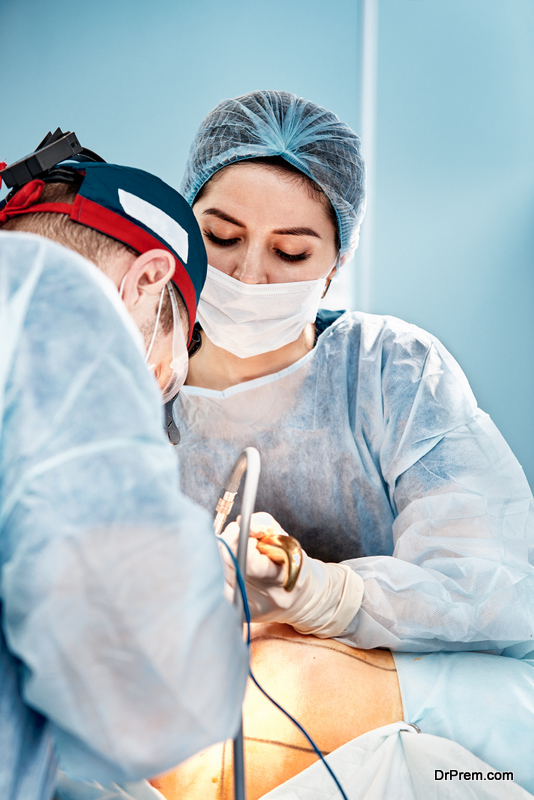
<point>260,566</point>
<point>262,524</point>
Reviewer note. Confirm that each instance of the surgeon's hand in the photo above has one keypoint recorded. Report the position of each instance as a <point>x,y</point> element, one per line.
<point>261,571</point>
<point>324,600</point>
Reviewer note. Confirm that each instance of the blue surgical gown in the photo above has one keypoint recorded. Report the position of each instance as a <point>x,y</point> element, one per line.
<point>374,453</point>
<point>118,653</point>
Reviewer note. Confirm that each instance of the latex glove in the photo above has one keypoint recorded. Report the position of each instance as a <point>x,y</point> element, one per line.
<point>324,600</point>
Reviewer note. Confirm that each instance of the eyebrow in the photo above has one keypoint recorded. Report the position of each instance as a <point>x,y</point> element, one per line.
<point>216,212</point>
<point>297,232</point>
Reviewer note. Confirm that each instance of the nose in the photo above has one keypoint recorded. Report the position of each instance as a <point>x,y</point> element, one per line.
<point>250,264</point>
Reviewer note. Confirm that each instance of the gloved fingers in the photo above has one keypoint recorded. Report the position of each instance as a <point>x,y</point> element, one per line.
<point>262,523</point>
<point>261,568</point>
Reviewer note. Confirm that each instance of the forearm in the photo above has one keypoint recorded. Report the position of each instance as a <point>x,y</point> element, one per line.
<point>405,607</point>
<point>459,577</point>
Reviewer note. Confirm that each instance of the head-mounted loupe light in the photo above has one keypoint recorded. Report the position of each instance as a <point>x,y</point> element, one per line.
<point>54,148</point>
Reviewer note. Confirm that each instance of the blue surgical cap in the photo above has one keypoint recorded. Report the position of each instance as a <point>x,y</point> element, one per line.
<point>267,123</point>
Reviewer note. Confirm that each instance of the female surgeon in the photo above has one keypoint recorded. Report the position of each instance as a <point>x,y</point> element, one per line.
<point>374,453</point>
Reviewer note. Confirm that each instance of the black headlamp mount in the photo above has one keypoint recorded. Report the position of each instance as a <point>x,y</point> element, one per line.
<point>54,148</point>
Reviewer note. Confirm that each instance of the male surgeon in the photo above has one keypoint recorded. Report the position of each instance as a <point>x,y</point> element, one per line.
<point>119,657</point>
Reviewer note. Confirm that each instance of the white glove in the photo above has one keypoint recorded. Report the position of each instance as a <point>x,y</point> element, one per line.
<point>324,600</point>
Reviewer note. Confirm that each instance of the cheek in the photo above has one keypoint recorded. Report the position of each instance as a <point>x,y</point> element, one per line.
<point>218,258</point>
<point>163,376</point>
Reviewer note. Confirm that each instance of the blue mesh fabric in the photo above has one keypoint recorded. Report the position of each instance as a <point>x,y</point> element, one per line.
<point>268,123</point>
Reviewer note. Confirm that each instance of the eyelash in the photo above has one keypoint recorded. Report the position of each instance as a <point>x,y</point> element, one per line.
<point>287,257</point>
<point>222,242</point>
<point>229,242</point>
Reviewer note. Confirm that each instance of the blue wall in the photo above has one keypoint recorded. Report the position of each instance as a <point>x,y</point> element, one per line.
<point>134,79</point>
<point>455,192</point>
<point>454,242</point>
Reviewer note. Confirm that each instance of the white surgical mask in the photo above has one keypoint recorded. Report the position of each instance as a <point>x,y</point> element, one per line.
<point>153,339</point>
<point>250,319</point>
<point>180,358</point>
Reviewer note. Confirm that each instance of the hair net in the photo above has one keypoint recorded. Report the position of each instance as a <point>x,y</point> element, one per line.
<point>268,123</point>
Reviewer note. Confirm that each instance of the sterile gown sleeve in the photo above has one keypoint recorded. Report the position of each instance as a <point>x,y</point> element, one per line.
<point>459,577</point>
<point>111,581</point>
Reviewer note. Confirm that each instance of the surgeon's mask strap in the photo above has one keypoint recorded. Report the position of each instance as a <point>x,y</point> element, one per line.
<point>335,266</point>
<point>179,371</point>
<point>180,359</point>
<point>158,315</point>
<point>151,345</point>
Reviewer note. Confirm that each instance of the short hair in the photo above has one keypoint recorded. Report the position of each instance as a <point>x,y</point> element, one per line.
<point>88,242</point>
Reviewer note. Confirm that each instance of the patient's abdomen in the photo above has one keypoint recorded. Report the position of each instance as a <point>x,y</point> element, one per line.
<point>336,692</point>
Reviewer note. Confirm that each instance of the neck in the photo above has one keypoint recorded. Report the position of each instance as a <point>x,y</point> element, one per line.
<point>215,368</point>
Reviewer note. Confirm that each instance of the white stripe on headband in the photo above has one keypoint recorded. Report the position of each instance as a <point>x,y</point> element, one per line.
<point>158,221</point>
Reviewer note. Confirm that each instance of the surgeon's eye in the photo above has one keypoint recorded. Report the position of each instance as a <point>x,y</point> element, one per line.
<point>288,257</point>
<point>222,242</point>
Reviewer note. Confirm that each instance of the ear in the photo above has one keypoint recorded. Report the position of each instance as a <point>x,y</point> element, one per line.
<point>148,274</point>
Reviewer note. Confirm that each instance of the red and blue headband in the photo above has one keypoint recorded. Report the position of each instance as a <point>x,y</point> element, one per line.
<point>133,207</point>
